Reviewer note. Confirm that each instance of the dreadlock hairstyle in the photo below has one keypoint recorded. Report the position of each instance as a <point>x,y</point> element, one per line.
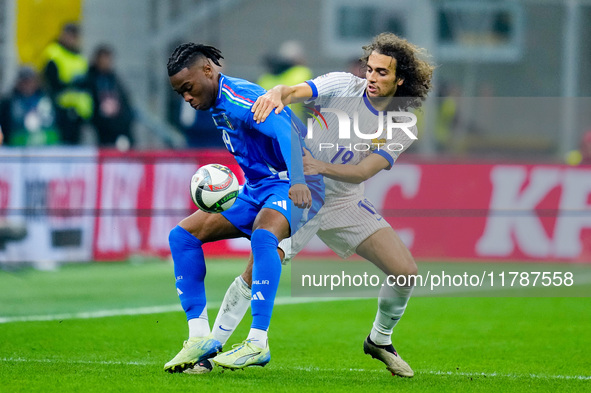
<point>185,55</point>
<point>415,71</point>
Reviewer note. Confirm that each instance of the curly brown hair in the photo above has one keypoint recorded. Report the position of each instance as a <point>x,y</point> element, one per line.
<point>410,66</point>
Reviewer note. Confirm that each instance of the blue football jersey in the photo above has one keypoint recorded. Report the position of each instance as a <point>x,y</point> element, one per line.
<point>262,150</point>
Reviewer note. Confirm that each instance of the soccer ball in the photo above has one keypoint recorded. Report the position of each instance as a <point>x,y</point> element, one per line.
<point>214,188</point>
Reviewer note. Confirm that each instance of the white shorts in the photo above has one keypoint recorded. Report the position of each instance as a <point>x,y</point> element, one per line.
<point>342,224</point>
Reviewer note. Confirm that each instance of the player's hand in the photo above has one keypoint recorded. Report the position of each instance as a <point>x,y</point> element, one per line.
<point>300,195</point>
<point>312,166</point>
<point>266,103</point>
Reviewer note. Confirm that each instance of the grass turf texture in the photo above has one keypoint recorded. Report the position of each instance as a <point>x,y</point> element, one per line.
<point>452,343</point>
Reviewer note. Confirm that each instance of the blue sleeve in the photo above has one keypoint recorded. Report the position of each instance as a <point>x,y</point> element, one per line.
<point>279,127</point>
<point>314,88</point>
<point>386,156</point>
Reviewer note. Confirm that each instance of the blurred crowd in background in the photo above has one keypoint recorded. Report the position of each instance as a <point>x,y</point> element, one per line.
<point>51,106</point>
<point>65,98</point>
<point>69,95</point>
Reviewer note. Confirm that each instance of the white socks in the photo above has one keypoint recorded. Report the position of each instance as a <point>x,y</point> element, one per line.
<point>234,306</point>
<point>392,302</point>
<point>258,337</point>
<point>199,327</point>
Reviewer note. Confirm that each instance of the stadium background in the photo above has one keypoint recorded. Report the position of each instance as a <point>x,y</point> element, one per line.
<point>511,72</point>
<point>495,188</point>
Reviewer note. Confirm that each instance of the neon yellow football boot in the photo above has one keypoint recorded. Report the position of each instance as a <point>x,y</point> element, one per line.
<point>243,355</point>
<point>194,350</point>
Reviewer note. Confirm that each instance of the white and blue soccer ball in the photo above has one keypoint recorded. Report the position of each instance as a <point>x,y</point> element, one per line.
<point>214,188</point>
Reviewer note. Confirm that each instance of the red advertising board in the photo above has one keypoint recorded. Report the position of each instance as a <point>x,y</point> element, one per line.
<point>441,210</point>
<point>50,191</point>
<point>119,204</point>
<point>489,211</point>
<point>143,195</point>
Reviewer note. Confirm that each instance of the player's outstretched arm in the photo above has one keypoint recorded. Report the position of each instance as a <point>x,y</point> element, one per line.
<point>278,97</point>
<point>347,173</point>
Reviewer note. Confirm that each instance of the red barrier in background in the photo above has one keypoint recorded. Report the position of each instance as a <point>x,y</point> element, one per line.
<point>483,211</point>
<point>82,204</point>
<point>442,211</point>
<point>143,195</point>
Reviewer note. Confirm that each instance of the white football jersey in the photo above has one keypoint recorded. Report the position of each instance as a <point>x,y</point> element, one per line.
<point>341,102</point>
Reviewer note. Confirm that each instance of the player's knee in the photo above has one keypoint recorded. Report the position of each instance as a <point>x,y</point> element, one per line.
<point>204,226</point>
<point>174,235</point>
<point>178,236</point>
<point>408,269</point>
<point>411,269</point>
<point>407,265</point>
<point>263,238</point>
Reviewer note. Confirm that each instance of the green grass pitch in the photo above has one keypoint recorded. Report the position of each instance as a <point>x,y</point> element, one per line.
<point>475,344</point>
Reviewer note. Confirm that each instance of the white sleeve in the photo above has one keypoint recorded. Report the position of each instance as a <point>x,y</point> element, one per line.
<point>335,84</point>
<point>399,142</point>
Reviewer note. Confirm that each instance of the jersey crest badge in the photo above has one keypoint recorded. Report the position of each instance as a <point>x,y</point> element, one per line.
<point>222,121</point>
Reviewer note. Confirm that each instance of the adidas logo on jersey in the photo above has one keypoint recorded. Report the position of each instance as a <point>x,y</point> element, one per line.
<point>258,295</point>
<point>281,204</point>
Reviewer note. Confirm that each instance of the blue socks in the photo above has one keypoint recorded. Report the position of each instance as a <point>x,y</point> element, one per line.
<point>265,277</point>
<point>189,270</point>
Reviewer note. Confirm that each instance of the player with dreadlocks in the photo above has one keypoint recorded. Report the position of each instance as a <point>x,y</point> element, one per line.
<point>270,154</point>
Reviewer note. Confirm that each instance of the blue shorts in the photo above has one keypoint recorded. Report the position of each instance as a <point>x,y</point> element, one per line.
<point>272,194</point>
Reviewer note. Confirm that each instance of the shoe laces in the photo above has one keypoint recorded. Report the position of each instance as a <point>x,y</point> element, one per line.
<point>237,347</point>
<point>242,344</point>
<point>186,344</point>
